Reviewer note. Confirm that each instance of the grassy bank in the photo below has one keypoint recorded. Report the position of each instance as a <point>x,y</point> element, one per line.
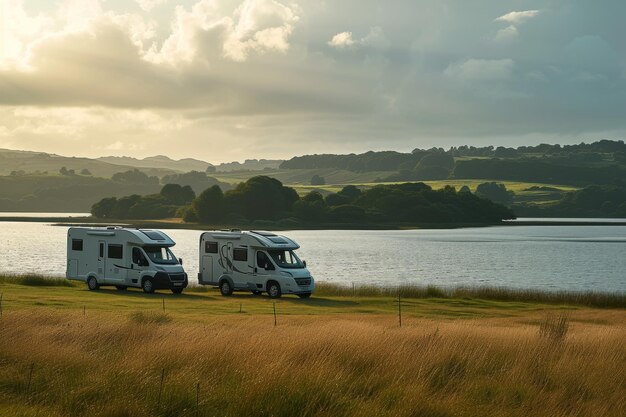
<point>575,298</point>
<point>68,351</point>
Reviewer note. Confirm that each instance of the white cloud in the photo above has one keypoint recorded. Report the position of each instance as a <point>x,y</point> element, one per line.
<point>376,38</point>
<point>342,40</point>
<point>148,5</point>
<point>258,26</point>
<point>481,69</point>
<point>517,18</point>
<point>507,34</point>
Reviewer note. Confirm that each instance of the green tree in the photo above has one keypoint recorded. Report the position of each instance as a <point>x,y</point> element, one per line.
<point>261,198</point>
<point>209,205</point>
<point>177,194</point>
<point>105,208</point>
<point>317,180</point>
<point>311,208</point>
<point>495,192</point>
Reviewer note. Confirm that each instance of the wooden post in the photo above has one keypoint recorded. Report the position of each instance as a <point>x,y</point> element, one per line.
<point>197,397</point>
<point>164,305</point>
<point>399,309</point>
<point>275,323</point>
<point>161,387</point>
<point>30,377</point>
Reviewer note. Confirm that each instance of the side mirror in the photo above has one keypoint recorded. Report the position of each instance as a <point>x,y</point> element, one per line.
<point>304,263</point>
<point>180,260</point>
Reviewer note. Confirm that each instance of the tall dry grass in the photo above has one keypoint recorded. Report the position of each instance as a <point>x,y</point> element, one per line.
<point>582,298</point>
<point>111,365</point>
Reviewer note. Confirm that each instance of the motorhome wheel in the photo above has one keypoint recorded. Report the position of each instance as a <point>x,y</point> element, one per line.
<point>147,286</point>
<point>92,283</point>
<point>273,289</point>
<point>225,288</point>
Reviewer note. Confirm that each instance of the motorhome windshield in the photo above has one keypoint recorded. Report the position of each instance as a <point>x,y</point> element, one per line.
<point>286,258</point>
<point>160,255</point>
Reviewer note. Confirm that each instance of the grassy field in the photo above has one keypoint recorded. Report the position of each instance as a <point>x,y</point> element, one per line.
<point>521,189</point>
<point>67,351</point>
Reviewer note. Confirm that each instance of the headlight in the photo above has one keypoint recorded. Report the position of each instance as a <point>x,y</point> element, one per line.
<point>286,274</point>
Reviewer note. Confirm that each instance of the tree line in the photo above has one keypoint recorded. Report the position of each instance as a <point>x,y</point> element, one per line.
<point>263,198</point>
<point>602,162</point>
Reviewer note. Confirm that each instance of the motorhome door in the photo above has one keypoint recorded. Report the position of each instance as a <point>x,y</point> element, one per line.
<point>101,258</point>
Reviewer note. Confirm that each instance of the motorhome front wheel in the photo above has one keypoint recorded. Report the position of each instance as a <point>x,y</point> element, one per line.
<point>273,289</point>
<point>147,286</point>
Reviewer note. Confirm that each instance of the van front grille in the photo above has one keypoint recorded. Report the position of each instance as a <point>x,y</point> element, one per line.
<point>303,282</point>
<point>177,277</point>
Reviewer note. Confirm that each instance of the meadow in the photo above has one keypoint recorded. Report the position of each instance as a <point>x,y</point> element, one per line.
<point>68,351</point>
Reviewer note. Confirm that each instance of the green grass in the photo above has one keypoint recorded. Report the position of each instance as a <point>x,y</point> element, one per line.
<point>36,281</point>
<point>522,194</point>
<point>329,299</point>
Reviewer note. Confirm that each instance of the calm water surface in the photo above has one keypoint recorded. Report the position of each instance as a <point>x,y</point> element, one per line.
<point>544,257</point>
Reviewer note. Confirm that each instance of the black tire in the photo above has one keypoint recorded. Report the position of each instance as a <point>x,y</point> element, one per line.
<point>304,296</point>
<point>92,284</point>
<point>273,289</point>
<point>121,287</point>
<point>257,292</point>
<point>148,286</point>
<point>226,289</point>
<point>177,290</point>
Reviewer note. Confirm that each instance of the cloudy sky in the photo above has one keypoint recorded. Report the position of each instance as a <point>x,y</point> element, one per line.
<point>227,80</point>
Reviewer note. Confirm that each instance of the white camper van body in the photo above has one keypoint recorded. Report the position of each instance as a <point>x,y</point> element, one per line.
<point>253,261</point>
<point>123,258</point>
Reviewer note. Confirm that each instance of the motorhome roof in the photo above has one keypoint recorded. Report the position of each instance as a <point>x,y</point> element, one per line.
<point>141,237</point>
<point>265,239</point>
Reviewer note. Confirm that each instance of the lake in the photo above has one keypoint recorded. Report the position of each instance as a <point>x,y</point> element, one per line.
<point>542,257</point>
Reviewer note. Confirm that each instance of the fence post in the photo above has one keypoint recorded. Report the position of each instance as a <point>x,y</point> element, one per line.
<point>197,398</point>
<point>275,314</point>
<point>30,377</point>
<point>161,387</point>
<point>399,309</point>
<point>163,305</point>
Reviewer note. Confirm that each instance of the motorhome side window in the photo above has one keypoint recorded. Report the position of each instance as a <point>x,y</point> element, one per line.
<point>77,244</point>
<point>138,257</point>
<point>115,252</point>
<point>210,247</point>
<point>240,255</point>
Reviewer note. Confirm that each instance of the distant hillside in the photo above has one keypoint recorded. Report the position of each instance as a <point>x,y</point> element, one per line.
<point>250,165</point>
<point>159,161</point>
<point>25,162</point>
<point>602,162</point>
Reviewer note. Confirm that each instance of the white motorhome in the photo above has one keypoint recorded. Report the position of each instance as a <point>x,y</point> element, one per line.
<point>124,258</point>
<point>253,261</point>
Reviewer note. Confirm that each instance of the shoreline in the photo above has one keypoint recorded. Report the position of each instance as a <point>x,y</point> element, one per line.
<point>177,224</point>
